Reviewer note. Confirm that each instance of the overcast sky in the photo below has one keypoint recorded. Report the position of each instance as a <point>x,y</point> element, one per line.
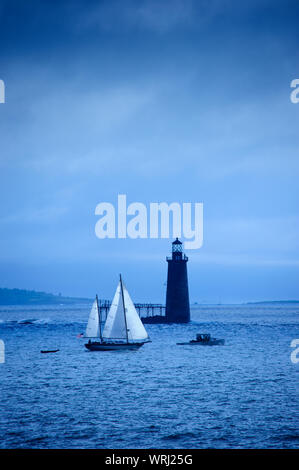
<point>170,100</point>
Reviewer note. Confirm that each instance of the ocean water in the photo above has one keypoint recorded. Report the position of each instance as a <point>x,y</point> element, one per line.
<point>241,395</point>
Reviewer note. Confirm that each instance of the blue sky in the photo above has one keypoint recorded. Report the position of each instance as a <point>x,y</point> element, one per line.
<point>185,101</point>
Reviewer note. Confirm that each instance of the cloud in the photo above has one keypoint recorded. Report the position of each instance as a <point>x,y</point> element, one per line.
<point>256,241</point>
<point>160,16</point>
<point>157,16</point>
<point>171,100</point>
<point>70,126</point>
<point>243,260</point>
<point>42,215</point>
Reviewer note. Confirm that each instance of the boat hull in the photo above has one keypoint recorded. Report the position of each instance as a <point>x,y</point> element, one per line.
<point>97,346</point>
<point>49,351</point>
<point>216,342</point>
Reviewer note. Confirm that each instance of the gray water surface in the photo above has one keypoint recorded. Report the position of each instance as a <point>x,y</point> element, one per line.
<point>241,395</point>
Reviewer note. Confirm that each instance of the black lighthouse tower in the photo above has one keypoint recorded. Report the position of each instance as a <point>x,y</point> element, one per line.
<point>177,296</point>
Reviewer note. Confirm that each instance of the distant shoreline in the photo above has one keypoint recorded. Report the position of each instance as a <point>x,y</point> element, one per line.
<point>273,302</point>
<point>31,297</point>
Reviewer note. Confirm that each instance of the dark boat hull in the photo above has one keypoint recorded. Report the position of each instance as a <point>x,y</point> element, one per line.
<point>97,346</point>
<point>50,351</point>
<point>215,342</point>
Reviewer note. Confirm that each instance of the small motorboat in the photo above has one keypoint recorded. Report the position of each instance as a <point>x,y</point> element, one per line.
<point>49,351</point>
<point>204,339</point>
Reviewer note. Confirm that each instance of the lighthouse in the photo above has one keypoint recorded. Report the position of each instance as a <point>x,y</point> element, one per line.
<point>177,295</point>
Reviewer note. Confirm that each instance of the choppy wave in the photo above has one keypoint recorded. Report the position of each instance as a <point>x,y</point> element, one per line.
<point>179,436</point>
<point>244,394</point>
<point>36,322</point>
<point>26,321</point>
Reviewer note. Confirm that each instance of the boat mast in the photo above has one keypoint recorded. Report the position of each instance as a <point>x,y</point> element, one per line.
<point>99,315</point>
<point>122,294</point>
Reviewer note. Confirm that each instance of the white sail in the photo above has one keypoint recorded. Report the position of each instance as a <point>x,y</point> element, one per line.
<point>136,330</point>
<point>115,326</point>
<point>93,325</point>
<point>122,316</point>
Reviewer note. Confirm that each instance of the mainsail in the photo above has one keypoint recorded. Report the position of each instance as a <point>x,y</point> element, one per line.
<point>123,322</point>
<point>115,325</point>
<point>136,330</point>
<point>93,325</point>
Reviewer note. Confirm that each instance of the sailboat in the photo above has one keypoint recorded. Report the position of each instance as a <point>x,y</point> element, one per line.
<point>123,328</point>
